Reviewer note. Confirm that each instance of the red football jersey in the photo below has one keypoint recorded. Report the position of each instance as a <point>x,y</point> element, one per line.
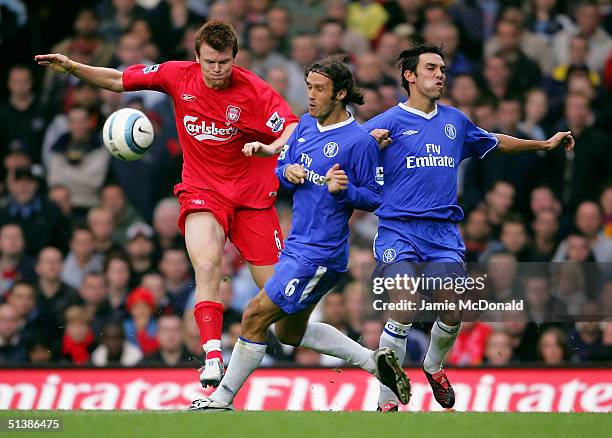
<point>213,126</point>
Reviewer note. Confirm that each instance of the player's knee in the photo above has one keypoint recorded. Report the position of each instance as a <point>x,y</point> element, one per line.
<point>286,337</point>
<point>254,319</point>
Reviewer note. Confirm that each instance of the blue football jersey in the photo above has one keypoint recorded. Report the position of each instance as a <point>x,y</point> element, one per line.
<point>420,165</point>
<point>320,229</point>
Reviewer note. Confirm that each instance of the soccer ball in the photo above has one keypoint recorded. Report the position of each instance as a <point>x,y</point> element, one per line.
<point>127,134</point>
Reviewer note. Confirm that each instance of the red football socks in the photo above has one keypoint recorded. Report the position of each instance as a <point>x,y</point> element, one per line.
<point>209,318</point>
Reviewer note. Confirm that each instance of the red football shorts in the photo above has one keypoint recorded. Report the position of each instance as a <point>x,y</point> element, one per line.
<point>256,233</point>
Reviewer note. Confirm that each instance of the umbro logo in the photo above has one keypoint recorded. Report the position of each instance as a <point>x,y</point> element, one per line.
<point>410,132</point>
<point>187,97</point>
<point>301,140</point>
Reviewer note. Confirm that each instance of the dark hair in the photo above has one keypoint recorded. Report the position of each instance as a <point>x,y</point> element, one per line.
<point>409,58</point>
<point>327,21</point>
<point>335,69</point>
<point>218,35</point>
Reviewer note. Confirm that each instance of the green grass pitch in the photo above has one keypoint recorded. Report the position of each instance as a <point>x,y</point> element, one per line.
<point>115,424</point>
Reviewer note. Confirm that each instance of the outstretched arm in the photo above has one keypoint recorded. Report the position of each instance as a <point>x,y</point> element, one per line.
<point>510,145</point>
<point>260,149</point>
<point>102,77</point>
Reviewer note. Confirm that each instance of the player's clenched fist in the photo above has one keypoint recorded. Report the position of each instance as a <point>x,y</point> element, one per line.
<point>295,173</point>
<point>57,62</point>
<point>382,137</point>
<point>336,179</point>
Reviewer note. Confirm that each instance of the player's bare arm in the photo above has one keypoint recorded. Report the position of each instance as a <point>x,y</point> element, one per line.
<point>295,173</point>
<point>382,137</point>
<point>336,179</point>
<point>259,149</point>
<point>102,77</point>
<point>510,145</point>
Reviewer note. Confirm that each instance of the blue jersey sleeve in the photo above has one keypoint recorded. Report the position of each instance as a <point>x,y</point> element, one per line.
<point>364,193</point>
<point>286,158</point>
<point>477,142</point>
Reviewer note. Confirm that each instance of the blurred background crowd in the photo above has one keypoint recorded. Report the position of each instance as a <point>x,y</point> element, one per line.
<point>93,269</point>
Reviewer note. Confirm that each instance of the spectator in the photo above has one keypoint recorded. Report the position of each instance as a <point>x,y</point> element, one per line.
<point>476,234</point>
<point>578,53</point>
<point>446,34</point>
<point>113,198</point>
<point>388,49</point>
<point>261,46</point>
<point>78,161</point>
<point>42,221</point>
<point>527,54</point>
<point>372,105</point>
<point>589,223</point>
<point>81,259</point>
<point>60,196</point>
<point>606,206</point>
<point>94,298</point>
<point>155,282</point>
<point>552,347</point>
<point>545,227</point>
<point>465,93</point>
<point>304,52</point>
<point>171,351</point>
<point>140,328</point>
<point>330,38</point>
<point>588,19</point>
<point>140,249</point>
<point>498,350</point>
<point>535,111</point>
<point>53,296</point>
<point>335,313</point>
<point>585,338</point>
<point>515,240</point>
<point>14,263</point>
<point>497,74</point>
<point>78,339</point>
<point>470,345</point>
<point>279,24</point>
<point>604,354</point>
<point>117,272</point>
<point>546,19</point>
<point>22,121</point>
<point>22,297</point>
<point>100,222</point>
<point>12,347</point>
<point>174,266</point>
<point>117,18</point>
<point>114,350</point>
<point>370,332</point>
<point>40,349</point>
<point>366,17</point>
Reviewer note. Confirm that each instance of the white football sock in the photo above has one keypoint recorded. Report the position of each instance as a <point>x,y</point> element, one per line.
<point>395,337</point>
<point>442,339</point>
<point>246,358</point>
<point>323,338</point>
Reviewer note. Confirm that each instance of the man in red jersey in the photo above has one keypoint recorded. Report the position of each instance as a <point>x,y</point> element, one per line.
<point>220,109</point>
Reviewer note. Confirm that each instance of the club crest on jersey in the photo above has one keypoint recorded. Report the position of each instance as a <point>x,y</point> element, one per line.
<point>232,114</point>
<point>150,69</point>
<point>330,150</point>
<point>389,255</point>
<point>450,131</point>
<point>275,122</point>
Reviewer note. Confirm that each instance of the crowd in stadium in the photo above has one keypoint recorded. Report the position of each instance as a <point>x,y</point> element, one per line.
<point>93,269</point>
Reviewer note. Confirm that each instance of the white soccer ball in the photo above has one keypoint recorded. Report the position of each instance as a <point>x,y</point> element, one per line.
<point>127,134</point>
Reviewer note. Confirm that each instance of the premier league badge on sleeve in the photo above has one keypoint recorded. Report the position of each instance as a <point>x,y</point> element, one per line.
<point>232,114</point>
<point>275,122</point>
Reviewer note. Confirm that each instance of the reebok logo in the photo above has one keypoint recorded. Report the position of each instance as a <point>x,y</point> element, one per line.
<point>410,132</point>
<point>187,97</point>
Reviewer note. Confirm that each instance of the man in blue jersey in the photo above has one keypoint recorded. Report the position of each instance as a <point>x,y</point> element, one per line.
<point>330,166</point>
<point>423,144</point>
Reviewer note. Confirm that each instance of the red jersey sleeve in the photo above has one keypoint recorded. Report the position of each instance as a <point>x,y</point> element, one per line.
<point>275,113</point>
<point>152,77</point>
